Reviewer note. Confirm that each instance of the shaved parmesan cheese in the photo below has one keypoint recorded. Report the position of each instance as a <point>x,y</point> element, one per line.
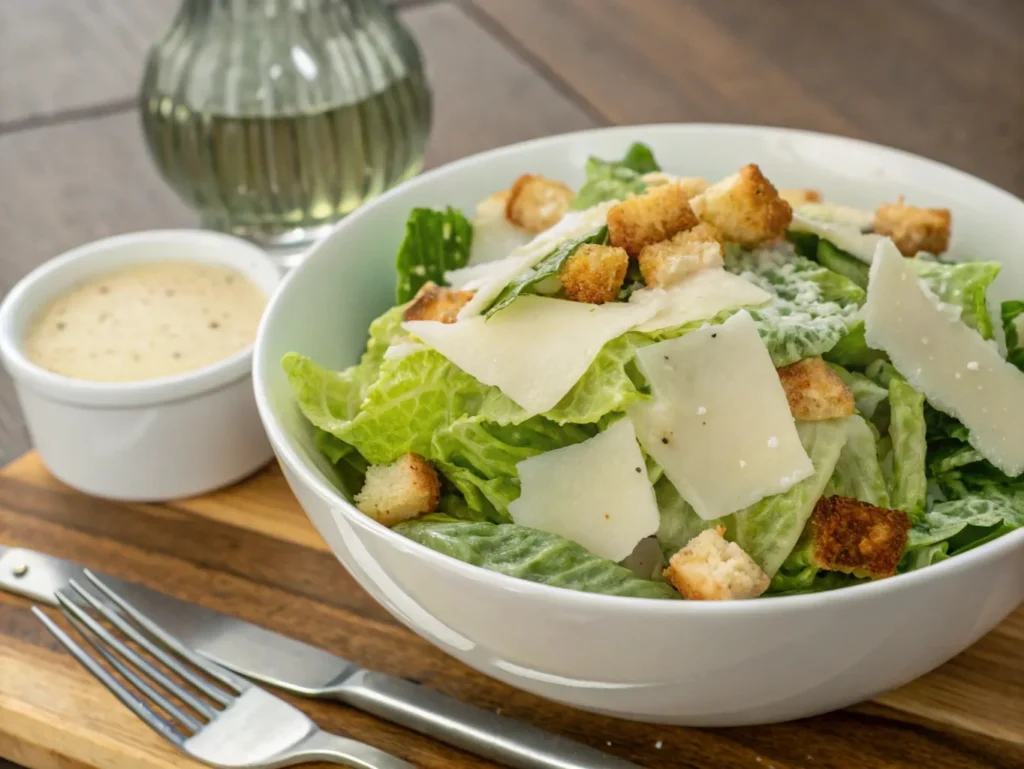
<point>574,224</point>
<point>843,236</point>
<point>719,423</point>
<point>698,297</point>
<point>595,493</point>
<point>477,275</point>
<point>958,371</point>
<point>833,214</point>
<point>401,350</point>
<point>494,236</point>
<point>536,349</point>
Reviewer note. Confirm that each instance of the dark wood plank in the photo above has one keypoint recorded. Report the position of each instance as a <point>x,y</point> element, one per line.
<point>58,56</point>
<point>913,74</point>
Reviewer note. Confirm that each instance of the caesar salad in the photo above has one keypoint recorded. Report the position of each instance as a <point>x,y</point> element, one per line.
<point>661,387</point>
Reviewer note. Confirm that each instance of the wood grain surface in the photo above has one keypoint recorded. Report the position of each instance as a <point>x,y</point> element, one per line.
<point>249,551</point>
<point>938,77</point>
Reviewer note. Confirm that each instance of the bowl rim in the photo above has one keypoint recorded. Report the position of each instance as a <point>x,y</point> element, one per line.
<point>143,392</point>
<point>292,458</point>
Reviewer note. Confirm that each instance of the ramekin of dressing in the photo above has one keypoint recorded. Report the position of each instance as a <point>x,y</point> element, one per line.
<point>131,358</point>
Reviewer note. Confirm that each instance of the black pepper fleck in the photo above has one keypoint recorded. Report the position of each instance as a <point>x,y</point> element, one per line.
<point>639,470</point>
<point>665,357</point>
<point>714,336</point>
<point>176,355</point>
<point>61,326</point>
<point>214,324</point>
<point>665,441</point>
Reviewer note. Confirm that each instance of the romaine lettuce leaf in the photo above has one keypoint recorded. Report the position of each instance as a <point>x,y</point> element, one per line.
<point>852,350</point>
<point>420,395</point>
<point>968,522</point>
<point>837,260</point>
<point>964,285</point>
<point>435,242</point>
<point>529,554</point>
<point>546,271</point>
<point>909,485</point>
<point>1013,326</point>
<point>947,455</point>
<point>616,179</point>
<point>858,473</point>
<point>813,308</point>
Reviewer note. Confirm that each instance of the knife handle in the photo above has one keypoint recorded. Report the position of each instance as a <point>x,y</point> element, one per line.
<point>504,740</point>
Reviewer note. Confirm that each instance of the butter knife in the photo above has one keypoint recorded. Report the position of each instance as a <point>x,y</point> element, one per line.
<point>307,671</point>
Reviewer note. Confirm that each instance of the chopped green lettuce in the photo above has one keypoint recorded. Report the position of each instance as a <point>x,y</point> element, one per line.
<point>909,449</point>
<point>858,473</point>
<point>813,307</point>
<point>546,271</point>
<point>435,242</point>
<point>1013,327</point>
<point>964,285</point>
<point>837,260</point>
<point>969,522</point>
<point>616,179</point>
<point>536,556</point>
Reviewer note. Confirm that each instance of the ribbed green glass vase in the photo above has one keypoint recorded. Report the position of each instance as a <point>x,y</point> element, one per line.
<point>275,118</point>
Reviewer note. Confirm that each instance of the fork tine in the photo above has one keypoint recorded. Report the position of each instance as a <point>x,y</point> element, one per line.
<point>139,708</point>
<point>221,697</point>
<point>213,670</point>
<point>79,617</point>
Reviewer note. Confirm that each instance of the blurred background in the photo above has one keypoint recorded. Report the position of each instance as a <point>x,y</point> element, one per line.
<point>118,116</point>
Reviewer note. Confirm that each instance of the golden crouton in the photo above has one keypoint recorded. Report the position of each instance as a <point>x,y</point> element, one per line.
<point>814,391</point>
<point>798,197</point>
<point>692,185</point>
<point>857,538</point>
<point>745,207</point>
<point>594,273</point>
<point>656,215</point>
<point>400,491</point>
<point>665,264</point>
<point>914,229</point>
<point>711,569</point>
<point>536,203</point>
<point>433,302</point>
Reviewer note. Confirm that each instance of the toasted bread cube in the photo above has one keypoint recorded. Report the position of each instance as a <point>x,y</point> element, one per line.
<point>799,197</point>
<point>594,273</point>
<point>711,569</point>
<point>814,391</point>
<point>665,264</point>
<point>745,207</point>
<point>857,538</point>
<point>656,215</point>
<point>434,302</point>
<point>536,203</point>
<point>914,229</point>
<point>692,185</point>
<point>400,491</point>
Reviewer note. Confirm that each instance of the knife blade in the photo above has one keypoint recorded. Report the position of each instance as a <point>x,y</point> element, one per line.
<point>306,670</point>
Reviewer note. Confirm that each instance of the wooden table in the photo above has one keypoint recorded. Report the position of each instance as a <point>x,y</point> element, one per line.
<point>938,77</point>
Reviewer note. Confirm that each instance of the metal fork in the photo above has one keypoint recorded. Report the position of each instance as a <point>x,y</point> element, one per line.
<point>220,718</point>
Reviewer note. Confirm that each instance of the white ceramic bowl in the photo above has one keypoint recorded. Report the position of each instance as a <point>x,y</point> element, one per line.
<point>152,440</point>
<point>693,663</point>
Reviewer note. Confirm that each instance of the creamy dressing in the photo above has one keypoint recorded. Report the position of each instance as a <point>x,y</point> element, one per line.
<point>147,321</point>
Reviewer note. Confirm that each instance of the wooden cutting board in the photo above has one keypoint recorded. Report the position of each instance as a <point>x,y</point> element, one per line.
<point>249,551</point>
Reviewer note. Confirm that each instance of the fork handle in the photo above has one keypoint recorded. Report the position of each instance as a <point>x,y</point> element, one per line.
<point>335,749</point>
<point>504,740</point>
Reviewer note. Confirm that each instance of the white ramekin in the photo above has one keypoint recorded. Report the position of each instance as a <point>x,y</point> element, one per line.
<point>152,440</point>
